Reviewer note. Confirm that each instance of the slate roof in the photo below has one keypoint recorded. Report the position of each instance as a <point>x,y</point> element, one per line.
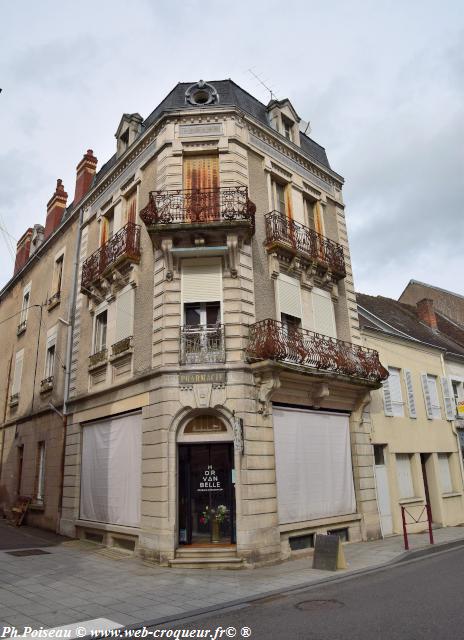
<point>397,318</point>
<point>230,94</point>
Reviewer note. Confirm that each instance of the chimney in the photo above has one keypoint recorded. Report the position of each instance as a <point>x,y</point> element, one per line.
<point>55,208</point>
<point>426,313</point>
<point>23,250</point>
<point>85,172</point>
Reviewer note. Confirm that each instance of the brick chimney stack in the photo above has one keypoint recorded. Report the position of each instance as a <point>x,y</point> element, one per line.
<point>85,172</point>
<point>55,208</point>
<point>23,250</point>
<point>426,313</point>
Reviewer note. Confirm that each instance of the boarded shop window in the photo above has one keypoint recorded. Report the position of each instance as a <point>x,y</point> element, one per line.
<point>111,471</point>
<point>404,475</point>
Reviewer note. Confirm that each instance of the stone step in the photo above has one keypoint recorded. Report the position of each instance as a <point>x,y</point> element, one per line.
<point>188,552</point>
<point>208,562</point>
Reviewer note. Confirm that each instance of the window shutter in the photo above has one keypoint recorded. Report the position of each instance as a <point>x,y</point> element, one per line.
<point>18,372</point>
<point>124,314</point>
<point>445,474</point>
<point>289,296</point>
<point>387,400</point>
<point>410,393</point>
<point>450,408</point>
<point>51,336</point>
<point>324,316</point>
<point>201,281</point>
<point>427,398</point>
<point>404,475</point>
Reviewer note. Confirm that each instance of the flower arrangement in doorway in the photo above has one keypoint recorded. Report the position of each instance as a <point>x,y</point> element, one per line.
<point>217,516</point>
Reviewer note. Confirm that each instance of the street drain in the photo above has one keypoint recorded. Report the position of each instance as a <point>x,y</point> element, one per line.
<point>316,605</point>
<point>27,552</point>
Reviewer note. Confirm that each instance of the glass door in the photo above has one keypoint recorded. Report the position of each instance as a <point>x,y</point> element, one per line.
<point>206,494</point>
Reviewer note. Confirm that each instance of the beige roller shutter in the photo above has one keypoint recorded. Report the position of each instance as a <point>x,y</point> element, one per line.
<point>18,372</point>
<point>289,296</point>
<point>202,280</point>
<point>124,314</point>
<point>324,315</point>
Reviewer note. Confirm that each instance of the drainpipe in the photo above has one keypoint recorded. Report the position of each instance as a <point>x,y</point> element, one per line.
<point>453,426</point>
<point>70,326</point>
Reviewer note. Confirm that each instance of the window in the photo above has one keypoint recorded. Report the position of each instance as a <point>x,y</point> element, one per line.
<point>278,197</point>
<point>323,312</point>
<point>18,372</point>
<point>130,214</point>
<point>288,298</point>
<point>379,454</point>
<point>457,394</point>
<point>57,275</point>
<point>107,229</point>
<point>445,473</point>
<point>410,393</point>
<point>24,308</point>
<point>404,475</point>
<point>101,323</point>
<point>287,127</point>
<point>392,394</point>
<point>432,403</point>
<point>125,314</point>
<point>202,314</point>
<point>309,213</point>
<point>40,491</point>
<point>50,362</point>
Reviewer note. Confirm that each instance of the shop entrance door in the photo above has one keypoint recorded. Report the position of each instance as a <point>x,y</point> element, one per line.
<point>206,494</point>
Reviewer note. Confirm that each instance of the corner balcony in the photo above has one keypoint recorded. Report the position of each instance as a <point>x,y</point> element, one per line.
<point>296,240</point>
<point>271,340</point>
<point>181,209</point>
<point>122,249</point>
<point>202,344</point>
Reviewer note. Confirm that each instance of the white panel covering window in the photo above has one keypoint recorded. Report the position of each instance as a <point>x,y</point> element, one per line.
<point>201,280</point>
<point>289,296</point>
<point>111,471</point>
<point>18,372</point>
<point>432,403</point>
<point>404,475</point>
<point>125,314</point>
<point>445,473</point>
<point>313,465</point>
<point>324,315</point>
<point>392,394</point>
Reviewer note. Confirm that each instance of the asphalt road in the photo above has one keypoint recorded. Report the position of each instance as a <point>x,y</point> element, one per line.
<point>419,600</point>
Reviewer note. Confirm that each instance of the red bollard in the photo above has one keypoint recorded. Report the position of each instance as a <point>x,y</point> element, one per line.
<point>405,533</point>
<point>429,519</point>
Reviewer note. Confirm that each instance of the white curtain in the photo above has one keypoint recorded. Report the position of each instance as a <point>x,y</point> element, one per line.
<point>111,471</point>
<point>313,465</point>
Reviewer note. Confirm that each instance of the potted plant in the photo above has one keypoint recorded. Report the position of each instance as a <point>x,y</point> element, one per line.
<point>216,516</point>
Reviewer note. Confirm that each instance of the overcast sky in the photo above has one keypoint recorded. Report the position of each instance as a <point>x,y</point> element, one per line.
<point>381,82</point>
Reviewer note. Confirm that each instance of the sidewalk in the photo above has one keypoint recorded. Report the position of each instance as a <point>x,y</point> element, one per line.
<point>75,582</point>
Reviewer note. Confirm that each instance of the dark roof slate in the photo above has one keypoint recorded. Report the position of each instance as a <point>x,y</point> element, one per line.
<point>403,319</point>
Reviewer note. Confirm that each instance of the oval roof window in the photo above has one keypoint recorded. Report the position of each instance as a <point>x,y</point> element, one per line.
<point>201,93</point>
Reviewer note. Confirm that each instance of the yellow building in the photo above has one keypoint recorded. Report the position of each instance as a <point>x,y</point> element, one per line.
<point>415,443</point>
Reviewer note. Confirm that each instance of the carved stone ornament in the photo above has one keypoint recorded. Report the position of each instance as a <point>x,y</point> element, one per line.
<point>232,253</point>
<point>166,248</point>
<point>267,384</point>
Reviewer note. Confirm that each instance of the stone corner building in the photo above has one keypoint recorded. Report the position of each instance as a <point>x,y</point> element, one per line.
<point>217,381</point>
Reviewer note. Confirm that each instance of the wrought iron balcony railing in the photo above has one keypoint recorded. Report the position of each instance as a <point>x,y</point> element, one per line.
<point>194,206</point>
<point>202,344</point>
<point>282,230</point>
<point>125,244</point>
<point>271,340</point>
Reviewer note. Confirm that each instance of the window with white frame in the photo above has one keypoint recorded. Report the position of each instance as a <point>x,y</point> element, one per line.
<point>404,476</point>
<point>57,276</point>
<point>445,472</point>
<point>101,324</point>
<point>432,402</point>
<point>278,196</point>
<point>25,307</point>
<point>287,128</point>
<point>18,373</point>
<point>392,393</point>
<point>49,371</point>
<point>40,492</point>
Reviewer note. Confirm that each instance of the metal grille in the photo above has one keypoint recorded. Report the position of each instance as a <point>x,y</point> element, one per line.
<point>299,238</point>
<point>202,344</point>
<point>191,206</point>
<point>270,339</point>
<point>125,243</point>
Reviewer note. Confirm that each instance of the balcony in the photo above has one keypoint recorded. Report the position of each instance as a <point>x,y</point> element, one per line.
<point>295,239</point>
<point>123,247</point>
<point>271,340</point>
<point>98,359</point>
<point>202,344</point>
<point>219,207</point>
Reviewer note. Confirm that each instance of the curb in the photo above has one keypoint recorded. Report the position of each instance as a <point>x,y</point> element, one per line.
<point>407,556</point>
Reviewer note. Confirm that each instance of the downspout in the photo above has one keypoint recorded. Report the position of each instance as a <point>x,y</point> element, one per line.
<point>70,332</point>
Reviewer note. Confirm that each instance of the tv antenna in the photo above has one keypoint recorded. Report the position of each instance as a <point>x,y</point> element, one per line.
<point>261,82</point>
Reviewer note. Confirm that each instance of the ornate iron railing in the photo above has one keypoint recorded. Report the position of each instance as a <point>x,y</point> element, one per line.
<point>121,346</point>
<point>124,243</point>
<point>271,340</point>
<point>98,358</point>
<point>193,206</point>
<point>202,344</point>
<point>297,237</point>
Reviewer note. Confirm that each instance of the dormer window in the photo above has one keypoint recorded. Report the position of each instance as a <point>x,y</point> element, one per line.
<point>125,138</point>
<point>287,126</point>
<point>201,93</point>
